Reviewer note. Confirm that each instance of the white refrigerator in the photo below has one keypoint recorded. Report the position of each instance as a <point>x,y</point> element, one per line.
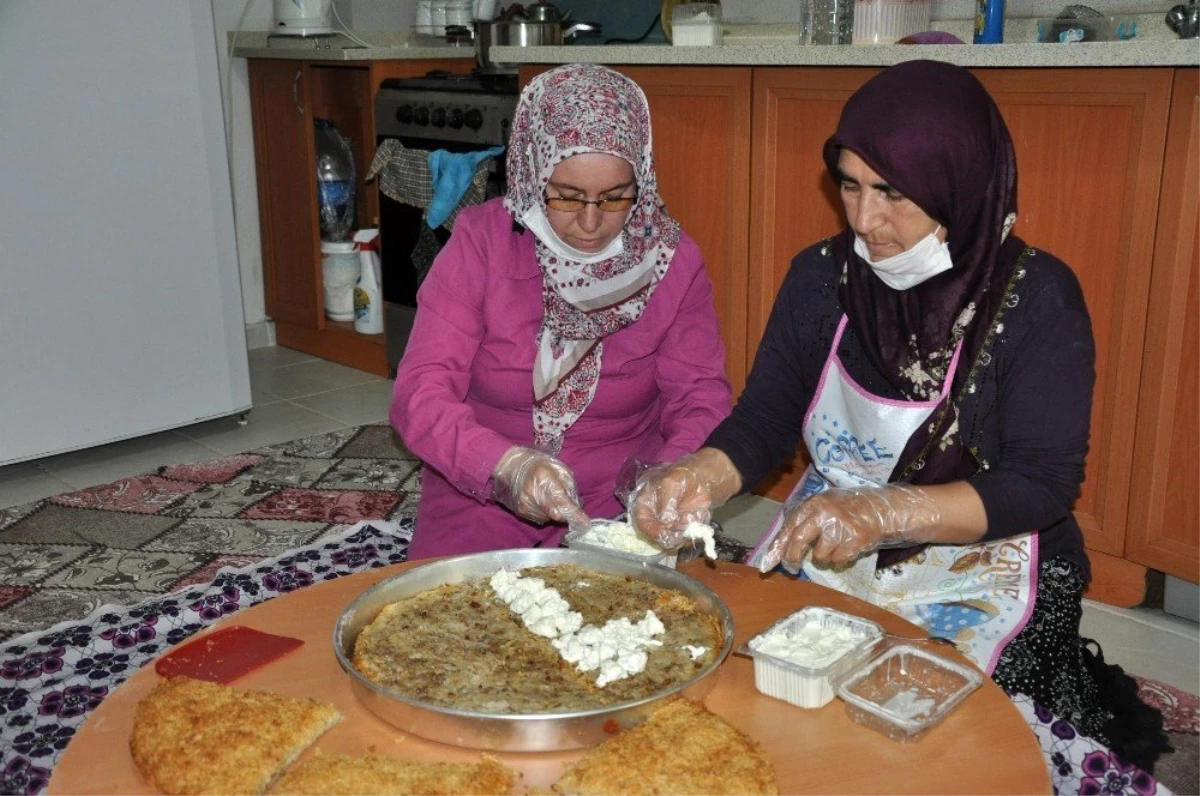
<point>120,301</point>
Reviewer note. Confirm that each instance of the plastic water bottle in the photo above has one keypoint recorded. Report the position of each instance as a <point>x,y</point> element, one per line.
<point>335,182</point>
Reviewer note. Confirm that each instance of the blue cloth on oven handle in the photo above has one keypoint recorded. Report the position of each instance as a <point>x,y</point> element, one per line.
<point>451,173</point>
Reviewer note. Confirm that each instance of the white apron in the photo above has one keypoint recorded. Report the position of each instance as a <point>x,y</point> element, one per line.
<point>979,595</point>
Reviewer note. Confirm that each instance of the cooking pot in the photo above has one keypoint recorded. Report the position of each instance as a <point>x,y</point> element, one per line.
<point>535,25</point>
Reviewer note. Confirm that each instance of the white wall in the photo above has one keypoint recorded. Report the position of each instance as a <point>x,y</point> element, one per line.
<point>771,11</point>
<point>235,94</point>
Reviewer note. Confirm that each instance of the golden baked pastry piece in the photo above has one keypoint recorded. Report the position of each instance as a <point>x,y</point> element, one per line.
<point>681,749</point>
<point>333,774</point>
<point>192,736</point>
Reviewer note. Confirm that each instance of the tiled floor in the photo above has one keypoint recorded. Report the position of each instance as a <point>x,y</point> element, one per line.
<point>296,395</point>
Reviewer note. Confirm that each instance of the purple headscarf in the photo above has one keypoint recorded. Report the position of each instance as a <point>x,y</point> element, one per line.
<point>932,131</point>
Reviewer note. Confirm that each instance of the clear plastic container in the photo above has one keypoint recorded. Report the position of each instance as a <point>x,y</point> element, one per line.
<point>696,25</point>
<point>826,21</point>
<point>906,691</point>
<point>808,676</point>
<point>576,541</point>
<point>1068,31</point>
<point>335,182</point>
<point>888,21</point>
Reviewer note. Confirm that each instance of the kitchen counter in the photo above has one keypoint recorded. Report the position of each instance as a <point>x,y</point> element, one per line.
<point>755,46</point>
<point>1083,54</point>
<point>384,46</point>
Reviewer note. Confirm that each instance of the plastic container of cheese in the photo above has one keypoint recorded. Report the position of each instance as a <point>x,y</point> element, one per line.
<point>596,537</point>
<point>802,657</point>
<point>906,691</point>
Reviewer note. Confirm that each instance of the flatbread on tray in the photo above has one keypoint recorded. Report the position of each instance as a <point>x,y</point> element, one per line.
<point>373,775</point>
<point>681,749</point>
<point>193,736</point>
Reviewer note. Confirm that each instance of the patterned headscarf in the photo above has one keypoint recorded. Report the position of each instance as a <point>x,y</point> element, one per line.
<point>563,112</point>
<point>933,132</point>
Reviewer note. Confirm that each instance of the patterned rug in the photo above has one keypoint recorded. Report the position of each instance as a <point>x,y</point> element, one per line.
<point>95,584</point>
<point>63,557</point>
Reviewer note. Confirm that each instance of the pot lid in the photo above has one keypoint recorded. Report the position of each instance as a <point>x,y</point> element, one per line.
<point>543,12</point>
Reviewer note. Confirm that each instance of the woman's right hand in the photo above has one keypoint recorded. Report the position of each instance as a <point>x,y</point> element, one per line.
<point>537,486</point>
<point>669,496</point>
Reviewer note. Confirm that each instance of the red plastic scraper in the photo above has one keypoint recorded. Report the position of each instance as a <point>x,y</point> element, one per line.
<point>225,655</point>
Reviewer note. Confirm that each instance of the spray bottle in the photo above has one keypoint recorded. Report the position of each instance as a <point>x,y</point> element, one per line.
<point>368,301</point>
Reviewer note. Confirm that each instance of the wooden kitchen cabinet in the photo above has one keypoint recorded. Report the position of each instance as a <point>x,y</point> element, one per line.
<point>1164,522</point>
<point>1090,146</point>
<point>701,127</point>
<point>285,97</point>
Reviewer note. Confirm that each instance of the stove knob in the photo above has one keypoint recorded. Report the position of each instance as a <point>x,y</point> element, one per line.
<point>404,114</point>
<point>438,117</point>
<point>474,119</point>
<point>421,116</point>
<point>455,119</point>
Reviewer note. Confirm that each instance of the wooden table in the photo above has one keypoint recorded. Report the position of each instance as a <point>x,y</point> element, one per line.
<point>982,747</point>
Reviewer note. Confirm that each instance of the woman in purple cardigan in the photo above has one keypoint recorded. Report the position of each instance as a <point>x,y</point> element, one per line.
<point>563,330</point>
<point>939,372</point>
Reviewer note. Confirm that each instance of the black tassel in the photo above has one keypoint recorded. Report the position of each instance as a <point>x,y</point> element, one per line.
<point>1135,731</point>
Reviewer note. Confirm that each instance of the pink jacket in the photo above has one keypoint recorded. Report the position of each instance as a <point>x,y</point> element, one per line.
<point>464,389</point>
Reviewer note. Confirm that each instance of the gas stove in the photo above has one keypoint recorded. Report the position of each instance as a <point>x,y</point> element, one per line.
<point>441,107</point>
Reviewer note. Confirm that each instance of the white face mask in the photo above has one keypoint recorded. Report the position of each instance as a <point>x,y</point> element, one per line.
<point>928,258</point>
<point>536,222</point>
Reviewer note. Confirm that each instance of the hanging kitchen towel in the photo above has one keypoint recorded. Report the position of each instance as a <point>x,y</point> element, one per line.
<point>405,176</point>
<point>451,174</point>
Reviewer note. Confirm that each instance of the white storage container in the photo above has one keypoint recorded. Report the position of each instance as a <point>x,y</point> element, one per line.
<point>696,25</point>
<point>801,658</point>
<point>339,272</point>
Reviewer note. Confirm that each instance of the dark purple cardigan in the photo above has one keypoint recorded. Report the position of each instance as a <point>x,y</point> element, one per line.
<point>1028,418</point>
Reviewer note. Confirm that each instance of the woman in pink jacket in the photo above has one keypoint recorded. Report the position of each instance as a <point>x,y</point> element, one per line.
<point>563,330</point>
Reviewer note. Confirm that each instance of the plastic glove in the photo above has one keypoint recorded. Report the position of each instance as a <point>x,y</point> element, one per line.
<point>841,525</point>
<point>669,496</point>
<point>537,486</point>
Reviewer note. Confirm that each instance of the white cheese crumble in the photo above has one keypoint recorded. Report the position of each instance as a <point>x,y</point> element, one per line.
<point>622,536</point>
<point>813,644</point>
<point>542,609</point>
<point>617,650</point>
<point>702,532</point>
<point>695,652</point>
<point>907,705</point>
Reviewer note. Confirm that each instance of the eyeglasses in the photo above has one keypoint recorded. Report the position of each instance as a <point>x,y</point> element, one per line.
<point>617,204</point>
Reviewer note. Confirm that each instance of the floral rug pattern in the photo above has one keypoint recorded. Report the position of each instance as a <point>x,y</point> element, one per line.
<point>50,681</point>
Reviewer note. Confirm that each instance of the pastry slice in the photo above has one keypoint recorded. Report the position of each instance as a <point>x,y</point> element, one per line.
<point>332,774</point>
<point>193,736</point>
<point>681,749</point>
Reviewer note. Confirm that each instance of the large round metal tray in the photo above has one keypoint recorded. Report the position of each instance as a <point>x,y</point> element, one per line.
<point>516,732</point>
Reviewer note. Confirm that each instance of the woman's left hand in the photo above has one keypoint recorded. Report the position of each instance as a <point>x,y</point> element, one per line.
<point>841,525</point>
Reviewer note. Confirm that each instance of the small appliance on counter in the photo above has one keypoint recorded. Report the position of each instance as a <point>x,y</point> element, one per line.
<point>303,18</point>
<point>1185,20</point>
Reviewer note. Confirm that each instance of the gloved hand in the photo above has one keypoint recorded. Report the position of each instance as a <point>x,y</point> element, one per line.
<point>669,496</point>
<point>536,486</point>
<point>843,524</point>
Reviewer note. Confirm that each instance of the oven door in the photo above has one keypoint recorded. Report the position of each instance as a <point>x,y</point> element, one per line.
<point>406,254</point>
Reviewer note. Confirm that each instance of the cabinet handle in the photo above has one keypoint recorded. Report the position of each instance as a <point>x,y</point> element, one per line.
<point>296,92</point>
